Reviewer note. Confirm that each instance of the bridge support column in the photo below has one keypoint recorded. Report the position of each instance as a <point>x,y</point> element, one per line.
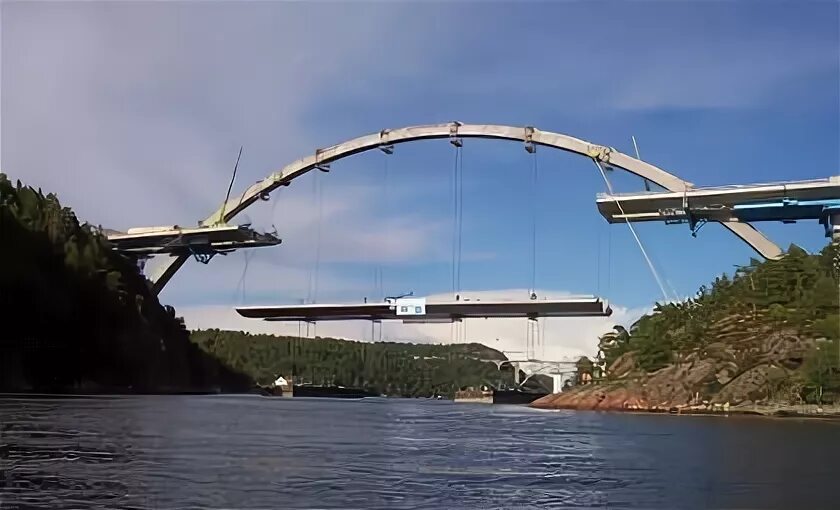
<point>556,383</point>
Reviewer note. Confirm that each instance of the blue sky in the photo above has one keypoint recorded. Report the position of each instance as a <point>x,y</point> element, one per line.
<point>133,113</point>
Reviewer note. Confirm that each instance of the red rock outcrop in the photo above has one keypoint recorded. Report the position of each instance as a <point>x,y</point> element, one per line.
<point>745,370</point>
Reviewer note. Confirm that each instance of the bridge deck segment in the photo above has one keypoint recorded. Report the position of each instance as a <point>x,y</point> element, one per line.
<point>176,240</point>
<point>434,312</point>
<point>786,202</point>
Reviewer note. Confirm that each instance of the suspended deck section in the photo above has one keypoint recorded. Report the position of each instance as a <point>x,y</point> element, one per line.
<point>416,310</point>
<point>175,240</point>
<point>787,202</point>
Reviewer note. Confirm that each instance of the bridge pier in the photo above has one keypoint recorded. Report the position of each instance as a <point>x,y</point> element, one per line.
<point>556,383</point>
<point>832,225</point>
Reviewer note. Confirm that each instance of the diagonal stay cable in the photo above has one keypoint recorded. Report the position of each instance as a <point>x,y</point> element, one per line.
<point>633,231</point>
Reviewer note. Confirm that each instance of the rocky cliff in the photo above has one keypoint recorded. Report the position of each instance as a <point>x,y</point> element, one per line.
<point>759,367</point>
<point>767,337</point>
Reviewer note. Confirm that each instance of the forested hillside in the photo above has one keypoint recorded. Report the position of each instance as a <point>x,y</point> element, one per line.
<point>770,333</point>
<point>78,316</point>
<point>399,369</point>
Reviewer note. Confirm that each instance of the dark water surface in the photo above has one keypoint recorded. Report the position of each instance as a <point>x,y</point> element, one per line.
<point>255,452</point>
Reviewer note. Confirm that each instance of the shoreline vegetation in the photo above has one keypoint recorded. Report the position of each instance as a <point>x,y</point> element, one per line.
<point>81,319</point>
<point>389,368</point>
<point>765,341</point>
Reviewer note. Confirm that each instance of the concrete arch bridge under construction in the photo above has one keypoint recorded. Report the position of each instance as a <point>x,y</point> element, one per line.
<point>455,132</point>
<point>681,202</point>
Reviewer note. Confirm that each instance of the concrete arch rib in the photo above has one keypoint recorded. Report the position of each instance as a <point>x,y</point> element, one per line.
<point>438,131</point>
<point>457,130</point>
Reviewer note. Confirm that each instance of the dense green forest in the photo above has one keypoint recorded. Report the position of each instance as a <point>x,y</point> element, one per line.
<point>391,368</point>
<point>777,319</point>
<point>79,316</point>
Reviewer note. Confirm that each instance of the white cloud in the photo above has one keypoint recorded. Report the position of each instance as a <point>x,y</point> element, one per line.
<point>353,230</point>
<point>254,277</point>
<point>354,227</point>
<point>133,112</point>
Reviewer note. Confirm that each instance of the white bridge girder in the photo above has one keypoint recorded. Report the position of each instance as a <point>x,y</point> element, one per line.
<point>455,130</point>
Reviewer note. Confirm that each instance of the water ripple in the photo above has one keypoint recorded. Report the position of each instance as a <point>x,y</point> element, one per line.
<point>251,452</point>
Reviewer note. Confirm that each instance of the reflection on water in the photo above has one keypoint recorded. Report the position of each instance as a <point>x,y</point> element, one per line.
<point>254,452</point>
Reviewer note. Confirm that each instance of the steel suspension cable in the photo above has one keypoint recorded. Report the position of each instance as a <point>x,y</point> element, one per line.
<point>274,223</point>
<point>454,188</point>
<point>542,340</point>
<point>598,261</point>
<point>534,193</point>
<point>609,261</point>
<point>531,325</point>
<point>633,231</point>
<point>387,204</point>
<point>320,200</point>
<point>457,229</point>
<point>460,214</point>
<point>527,336</point>
<point>314,249</point>
<point>242,278</point>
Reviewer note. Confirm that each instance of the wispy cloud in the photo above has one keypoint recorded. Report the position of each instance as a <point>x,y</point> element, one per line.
<point>349,229</point>
<point>254,278</point>
<point>354,226</point>
<point>133,114</point>
<point>142,106</point>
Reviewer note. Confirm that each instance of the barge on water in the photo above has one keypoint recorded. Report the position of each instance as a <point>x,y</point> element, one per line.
<point>309,390</point>
<point>284,388</point>
<point>499,396</point>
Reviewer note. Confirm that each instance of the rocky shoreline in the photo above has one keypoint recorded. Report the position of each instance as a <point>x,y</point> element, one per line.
<point>593,398</point>
<point>748,371</point>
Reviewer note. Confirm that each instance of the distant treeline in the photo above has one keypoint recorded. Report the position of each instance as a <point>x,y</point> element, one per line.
<point>391,368</point>
<point>76,315</point>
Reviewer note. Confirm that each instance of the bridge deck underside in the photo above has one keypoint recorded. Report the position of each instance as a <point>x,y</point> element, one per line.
<point>724,203</point>
<point>178,241</point>
<point>434,312</point>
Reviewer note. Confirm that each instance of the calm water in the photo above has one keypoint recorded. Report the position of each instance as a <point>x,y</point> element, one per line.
<point>254,452</point>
